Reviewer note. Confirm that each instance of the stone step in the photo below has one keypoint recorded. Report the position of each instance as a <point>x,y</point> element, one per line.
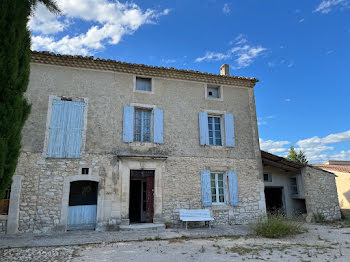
<point>143,226</point>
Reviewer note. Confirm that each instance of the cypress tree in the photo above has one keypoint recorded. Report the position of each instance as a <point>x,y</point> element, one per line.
<point>14,76</point>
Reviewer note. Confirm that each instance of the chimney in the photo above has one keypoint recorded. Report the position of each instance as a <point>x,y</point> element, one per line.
<point>225,70</point>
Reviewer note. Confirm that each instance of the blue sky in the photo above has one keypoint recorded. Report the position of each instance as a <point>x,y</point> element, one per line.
<point>300,51</point>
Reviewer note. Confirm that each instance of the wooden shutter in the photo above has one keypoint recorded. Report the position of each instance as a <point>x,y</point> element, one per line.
<point>158,126</point>
<point>128,124</point>
<point>74,127</point>
<point>57,130</point>
<point>203,128</point>
<point>206,190</point>
<point>229,130</point>
<point>233,187</point>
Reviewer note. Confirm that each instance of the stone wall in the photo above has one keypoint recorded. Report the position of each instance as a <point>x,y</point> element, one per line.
<point>320,193</point>
<point>42,187</point>
<point>3,224</point>
<point>41,201</point>
<point>182,189</point>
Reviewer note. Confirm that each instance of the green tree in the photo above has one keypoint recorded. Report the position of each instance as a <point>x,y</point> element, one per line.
<point>297,156</point>
<point>14,76</point>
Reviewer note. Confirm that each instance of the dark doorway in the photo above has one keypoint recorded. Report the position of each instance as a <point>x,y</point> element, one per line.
<point>273,198</point>
<point>141,206</point>
<point>82,207</point>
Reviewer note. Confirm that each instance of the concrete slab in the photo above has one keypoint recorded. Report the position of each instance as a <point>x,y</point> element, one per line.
<point>142,226</point>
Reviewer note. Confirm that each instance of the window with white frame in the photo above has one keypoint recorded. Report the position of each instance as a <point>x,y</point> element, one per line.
<point>214,129</point>
<point>267,177</point>
<point>143,84</point>
<point>142,125</point>
<point>217,188</point>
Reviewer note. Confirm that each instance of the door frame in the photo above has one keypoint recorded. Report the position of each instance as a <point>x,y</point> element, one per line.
<point>128,163</point>
<point>284,208</point>
<point>65,199</point>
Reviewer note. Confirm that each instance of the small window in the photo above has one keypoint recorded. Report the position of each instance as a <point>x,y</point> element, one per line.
<point>85,171</point>
<point>293,186</point>
<point>267,178</point>
<point>143,84</point>
<point>214,128</point>
<point>217,188</point>
<point>213,91</point>
<point>142,125</point>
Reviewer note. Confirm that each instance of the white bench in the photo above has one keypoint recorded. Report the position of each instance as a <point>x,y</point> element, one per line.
<point>195,215</point>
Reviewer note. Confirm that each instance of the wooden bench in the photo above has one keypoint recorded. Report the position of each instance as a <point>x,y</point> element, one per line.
<point>195,215</point>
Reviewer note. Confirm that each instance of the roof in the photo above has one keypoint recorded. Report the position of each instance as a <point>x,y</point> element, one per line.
<point>89,62</point>
<point>339,168</point>
<point>280,162</point>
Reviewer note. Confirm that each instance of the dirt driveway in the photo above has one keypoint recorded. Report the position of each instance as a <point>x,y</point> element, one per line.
<point>321,243</point>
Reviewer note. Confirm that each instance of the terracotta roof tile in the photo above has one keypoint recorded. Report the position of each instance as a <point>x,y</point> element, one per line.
<point>140,69</point>
<point>339,168</point>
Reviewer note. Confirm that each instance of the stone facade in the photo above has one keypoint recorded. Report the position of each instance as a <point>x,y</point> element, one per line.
<point>177,162</point>
<point>320,193</point>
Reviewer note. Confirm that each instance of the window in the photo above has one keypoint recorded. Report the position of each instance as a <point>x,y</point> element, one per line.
<point>5,203</point>
<point>293,186</point>
<point>143,84</point>
<point>214,128</point>
<point>85,171</point>
<point>65,130</point>
<point>213,91</point>
<point>217,187</point>
<point>142,125</point>
<point>267,178</point>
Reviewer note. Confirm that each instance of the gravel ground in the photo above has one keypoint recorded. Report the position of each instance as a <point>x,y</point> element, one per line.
<point>321,243</point>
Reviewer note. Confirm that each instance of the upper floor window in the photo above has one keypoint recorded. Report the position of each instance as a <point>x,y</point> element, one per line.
<point>213,91</point>
<point>142,125</point>
<point>214,128</point>
<point>217,188</point>
<point>143,84</point>
<point>65,128</point>
<point>293,185</point>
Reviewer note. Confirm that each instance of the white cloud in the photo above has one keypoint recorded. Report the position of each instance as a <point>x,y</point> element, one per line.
<point>109,21</point>
<point>274,146</point>
<point>301,20</point>
<point>226,9</point>
<point>242,54</point>
<point>326,6</point>
<point>288,100</point>
<point>316,149</point>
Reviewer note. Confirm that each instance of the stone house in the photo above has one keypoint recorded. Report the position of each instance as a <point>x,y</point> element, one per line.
<point>110,143</point>
<point>341,169</point>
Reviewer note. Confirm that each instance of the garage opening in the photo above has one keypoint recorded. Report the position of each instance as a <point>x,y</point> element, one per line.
<point>273,198</point>
<point>141,207</point>
<point>82,207</point>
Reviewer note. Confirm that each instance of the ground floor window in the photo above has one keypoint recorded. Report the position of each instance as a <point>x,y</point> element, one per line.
<point>217,188</point>
<point>5,203</point>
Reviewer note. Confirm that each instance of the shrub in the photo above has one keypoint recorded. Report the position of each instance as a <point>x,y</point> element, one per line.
<point>319,218</point>
<point>276,226</point>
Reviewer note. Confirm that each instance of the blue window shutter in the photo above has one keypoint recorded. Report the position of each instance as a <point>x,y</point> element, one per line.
<point>206,190</point>
<point>233,187</point>
<point>229,130</point>
<point>158,126</point>
<point>203,128</point>
<point>74,128</point>
<point>128,124</point>
<point>57,130</point>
